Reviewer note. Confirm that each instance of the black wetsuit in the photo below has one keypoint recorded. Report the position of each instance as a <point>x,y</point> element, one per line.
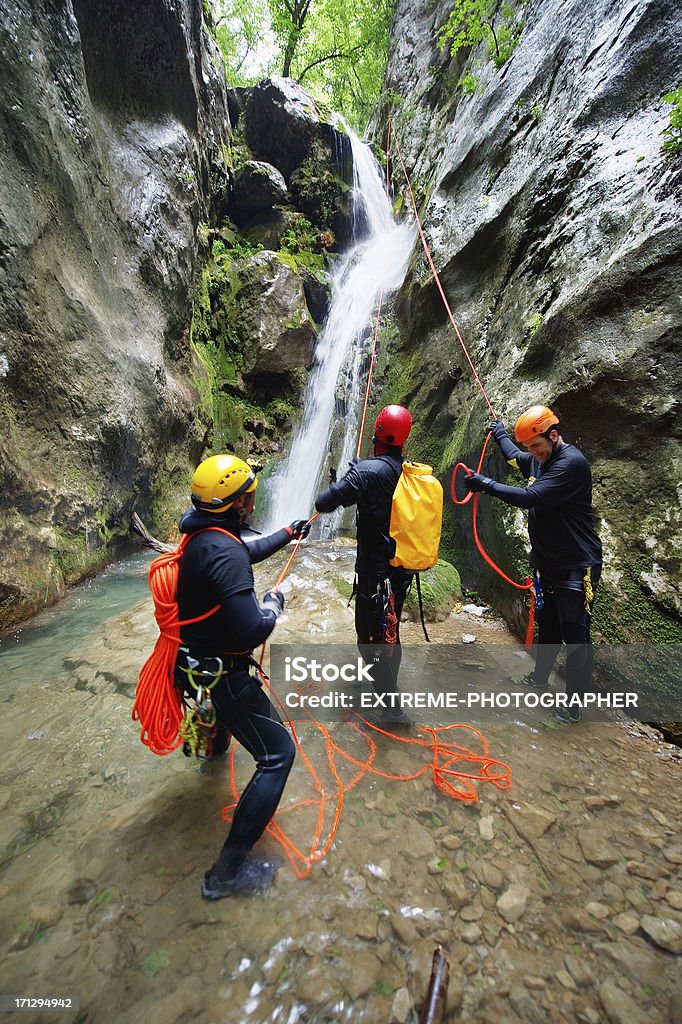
<point>370,484</point>
<point>216,569</point>
<point>565,550</point>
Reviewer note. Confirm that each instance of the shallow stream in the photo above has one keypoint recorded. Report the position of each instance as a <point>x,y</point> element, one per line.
<point>558,899</point>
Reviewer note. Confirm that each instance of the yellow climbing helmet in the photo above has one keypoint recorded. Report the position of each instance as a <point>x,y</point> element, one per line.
<point>219,480</point>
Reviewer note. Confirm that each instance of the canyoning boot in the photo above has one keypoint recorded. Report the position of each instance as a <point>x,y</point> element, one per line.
<point>528,680</point>
<point>389,720</point>
<point>256,873</point>
<point>561,717</point>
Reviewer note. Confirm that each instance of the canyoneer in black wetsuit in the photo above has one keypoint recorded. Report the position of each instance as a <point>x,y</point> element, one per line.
<point>566,552</point>
<point>216,654</point>
<point>370,484</point>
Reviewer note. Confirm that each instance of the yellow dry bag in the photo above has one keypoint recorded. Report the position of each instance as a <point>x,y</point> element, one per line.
<point>416,517</point>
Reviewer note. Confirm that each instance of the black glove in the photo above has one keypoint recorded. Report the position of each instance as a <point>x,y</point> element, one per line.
<point>354,461</point>
<point>274,599</point>
<point>497,429</point>
<point>299,528</point>
<point>476,482</point>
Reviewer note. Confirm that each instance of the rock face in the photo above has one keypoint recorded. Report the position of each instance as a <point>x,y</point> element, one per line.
<point>554,222</point>
<point>258,186</point>
<point>286,127</point>
<point>277,331</point>
<point>114,120</point>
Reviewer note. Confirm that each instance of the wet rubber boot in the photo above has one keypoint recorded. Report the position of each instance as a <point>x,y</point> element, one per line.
<point>255,873</point>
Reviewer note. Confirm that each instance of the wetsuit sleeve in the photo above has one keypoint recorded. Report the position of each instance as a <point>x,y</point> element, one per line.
<point>509,449</point>
<point>263,547</point>
<point>248,619</point>
<point>344,492</point>
<point>519,497</point>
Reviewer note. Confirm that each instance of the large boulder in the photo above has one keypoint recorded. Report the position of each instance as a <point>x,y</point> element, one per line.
<point>285,127</point>
<point>258,186</point>
<point>276,332</point>
<point>282,120</point>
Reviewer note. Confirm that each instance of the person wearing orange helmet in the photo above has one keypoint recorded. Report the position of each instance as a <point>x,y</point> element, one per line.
<point>566,552</point>
<point>369,484</point>
<point>222,622</point>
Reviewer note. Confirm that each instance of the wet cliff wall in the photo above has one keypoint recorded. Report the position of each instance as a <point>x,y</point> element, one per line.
<point>114,128</point>
<point>554,221</point>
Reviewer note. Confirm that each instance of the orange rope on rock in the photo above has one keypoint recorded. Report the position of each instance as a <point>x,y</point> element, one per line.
<point>445,763</point>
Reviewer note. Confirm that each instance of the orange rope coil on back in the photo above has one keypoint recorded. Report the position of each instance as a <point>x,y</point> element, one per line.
<point>158,704</point>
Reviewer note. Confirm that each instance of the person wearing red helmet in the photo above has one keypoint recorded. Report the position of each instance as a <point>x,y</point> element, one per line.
<point>566,552</point>
<point>369,484</point>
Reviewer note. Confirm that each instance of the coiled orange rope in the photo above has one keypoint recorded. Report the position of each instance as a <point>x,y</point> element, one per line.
<point>158,705</point>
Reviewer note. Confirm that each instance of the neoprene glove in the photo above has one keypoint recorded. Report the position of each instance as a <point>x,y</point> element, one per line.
<point>497,429</point>
<point>299,528</point>
<point>274,599</point>
<point>476,482</point>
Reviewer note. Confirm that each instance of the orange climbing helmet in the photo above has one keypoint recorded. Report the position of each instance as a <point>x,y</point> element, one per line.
<point>393,425</point>
<point>533,422</point>
<point>219,480</point>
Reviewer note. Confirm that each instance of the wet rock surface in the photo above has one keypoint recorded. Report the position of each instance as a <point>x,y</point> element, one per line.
<point>114,130</point>
<point>554,221</point>
<point>104,847</point>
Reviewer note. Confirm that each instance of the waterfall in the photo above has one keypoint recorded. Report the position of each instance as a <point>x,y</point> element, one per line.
<point>376,262</point>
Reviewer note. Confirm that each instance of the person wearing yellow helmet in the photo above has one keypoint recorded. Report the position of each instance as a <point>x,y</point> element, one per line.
<point>215,657</point>
<point>566,552</point>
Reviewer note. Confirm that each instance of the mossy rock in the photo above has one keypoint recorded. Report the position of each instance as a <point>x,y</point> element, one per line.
<point>441,589</point>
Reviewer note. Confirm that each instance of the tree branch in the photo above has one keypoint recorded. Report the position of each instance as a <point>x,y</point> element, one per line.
<point>321,60</point>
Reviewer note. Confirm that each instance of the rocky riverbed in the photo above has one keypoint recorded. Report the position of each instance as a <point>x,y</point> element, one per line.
<point>558,899</point>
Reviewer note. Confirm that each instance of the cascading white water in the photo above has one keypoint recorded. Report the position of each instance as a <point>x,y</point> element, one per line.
<point>376,263</point>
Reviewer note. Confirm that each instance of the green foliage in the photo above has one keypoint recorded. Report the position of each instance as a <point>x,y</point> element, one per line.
<point>243,35</point>
<point>468,84</point>
<point>673,144</point>
<point>337,50</point>
<point>472,21</point>
<point>299,241</point>
<point>534,323</point>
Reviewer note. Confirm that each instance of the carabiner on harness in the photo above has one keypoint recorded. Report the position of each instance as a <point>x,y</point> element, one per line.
<point>198,727</point>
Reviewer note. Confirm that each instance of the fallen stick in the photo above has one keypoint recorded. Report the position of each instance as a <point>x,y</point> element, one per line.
<point>151,542</point>
<point>437,995</point>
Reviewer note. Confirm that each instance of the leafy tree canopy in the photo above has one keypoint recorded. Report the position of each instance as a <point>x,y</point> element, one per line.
<point>471,21</point>
<point>336,49</point>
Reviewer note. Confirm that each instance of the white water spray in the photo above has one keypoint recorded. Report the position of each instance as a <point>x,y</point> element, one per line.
<point>377,263</point>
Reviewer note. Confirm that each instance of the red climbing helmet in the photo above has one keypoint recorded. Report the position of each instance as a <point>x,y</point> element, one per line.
<point>533,422</point>
<point>393,425</point>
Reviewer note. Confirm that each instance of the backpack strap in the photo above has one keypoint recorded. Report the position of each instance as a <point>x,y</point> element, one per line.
<point>186,538</point>
<point>421,608</point>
